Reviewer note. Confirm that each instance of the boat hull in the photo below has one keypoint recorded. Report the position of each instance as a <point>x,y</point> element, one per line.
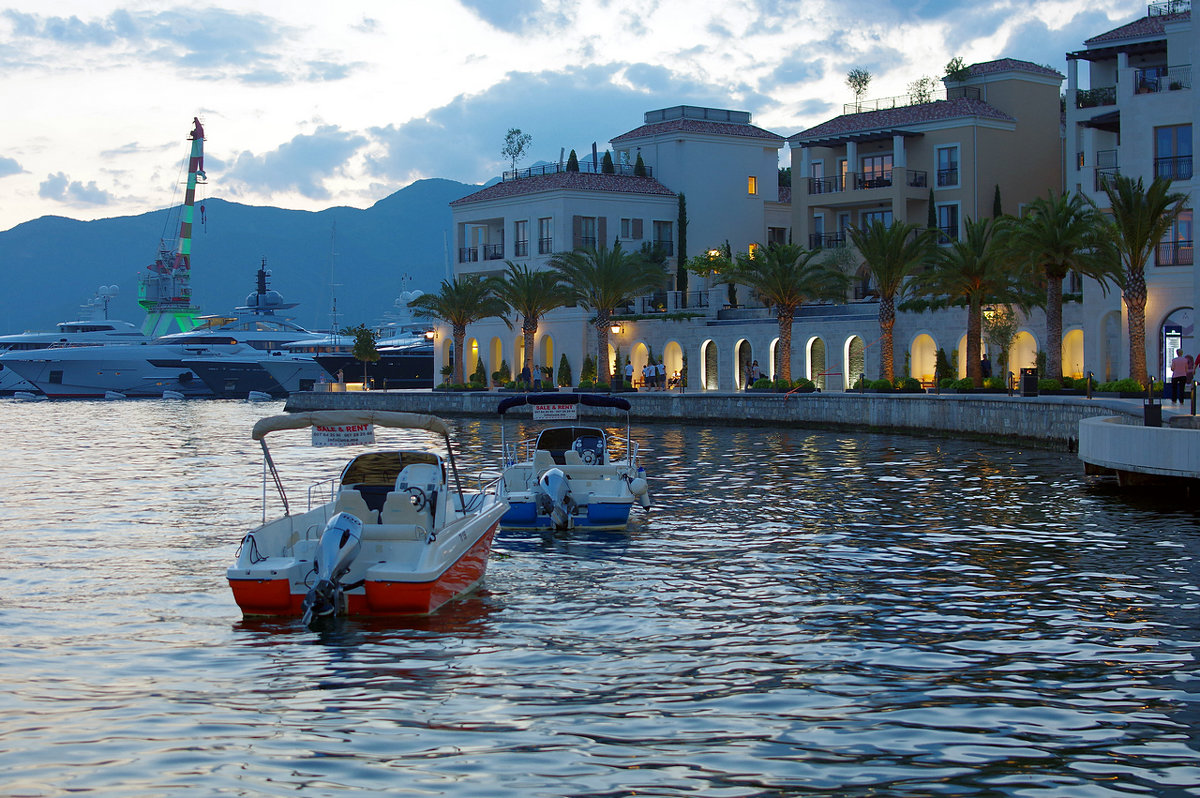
<point>411,369</point>
<point>276,586</point>
<point>600,515</point>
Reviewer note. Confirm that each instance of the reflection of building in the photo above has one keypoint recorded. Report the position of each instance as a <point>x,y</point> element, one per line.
<point>1130,111</point>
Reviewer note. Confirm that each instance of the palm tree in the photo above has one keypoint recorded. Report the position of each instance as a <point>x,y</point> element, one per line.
<point>891,253</point>
<point>530,295</point>
<point>785,276</point>
<point>973,271</point>
<point>603,280</point>
<point>462,302</point>
<point>1057,236</point>
<point>1141,216</point>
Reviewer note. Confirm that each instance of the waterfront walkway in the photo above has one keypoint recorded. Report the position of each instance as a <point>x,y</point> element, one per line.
<point>1051,421</point>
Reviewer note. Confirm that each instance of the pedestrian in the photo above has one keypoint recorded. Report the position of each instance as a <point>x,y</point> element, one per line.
<point>755,373</point>
<point>985,366</point>
<point>525,376</point>
<point>628,373</point>
<point>1179,375</point>
<point>662,376</point>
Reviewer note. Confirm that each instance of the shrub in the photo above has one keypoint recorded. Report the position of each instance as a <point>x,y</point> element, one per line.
<point>588,371</point>
<point>909,384</point>
<point>994,383</point>
<point>782,384</point>
<point>805,383</point>
<point>965,384</point>
<point>946,382</point>
<point>602,386</point>
<point>479,375</point>
<point>502,374</point>
<point>586,384</point>
<point>1069,383</point>
<point>882,385</point>
<point>1127,385</point>
<point>761,382</point>
<point>564,369</point>
<point>1050,384</point>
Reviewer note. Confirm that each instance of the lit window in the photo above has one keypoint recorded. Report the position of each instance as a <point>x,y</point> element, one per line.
<point>751,185</point>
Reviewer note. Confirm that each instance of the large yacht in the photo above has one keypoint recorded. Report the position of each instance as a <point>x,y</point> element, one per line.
<point>85,332</point>
<point>405,347</point>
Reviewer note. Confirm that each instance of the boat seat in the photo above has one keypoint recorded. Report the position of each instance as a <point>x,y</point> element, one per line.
<point>399,510</point>
<point>572,458</point>
<point>351,501</point>
<point>542,461</point>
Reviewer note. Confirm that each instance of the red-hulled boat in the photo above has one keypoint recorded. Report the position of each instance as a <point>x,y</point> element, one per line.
<point>398,535</point>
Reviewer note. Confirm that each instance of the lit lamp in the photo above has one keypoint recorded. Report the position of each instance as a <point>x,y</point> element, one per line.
<point>615,328</point>
<point>430,335</point>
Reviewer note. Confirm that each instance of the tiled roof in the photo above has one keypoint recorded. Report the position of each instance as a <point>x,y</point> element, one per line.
<point>700,126</point>
<point>1139,28</point>
<point>1010,64</point>
<point>901,117</point>
<point>571,181</point>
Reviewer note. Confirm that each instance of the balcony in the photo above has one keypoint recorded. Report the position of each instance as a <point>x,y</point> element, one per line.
<point>1178,167</point>
<point>667,246</point>
<point>1103,174</point>
<point>1168,7</point>
<point>1151,80</point>
<point>493,252</point>
<point>585,165</point>
<point>1094,98</point>
<point>905,100</point>
<point>826,240</point>
<point>520,249</point>
<point>948,234</point>
<point>867,181</point>
<point>1173,253</point>
<point>468,255</point>
<point>545,246</point>
<point>947,178</point>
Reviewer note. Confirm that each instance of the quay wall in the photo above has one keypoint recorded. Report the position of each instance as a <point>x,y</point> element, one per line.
<point>1051,421</point>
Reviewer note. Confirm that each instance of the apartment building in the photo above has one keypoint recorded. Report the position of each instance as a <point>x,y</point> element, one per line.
<point>726,167</point>
<point>1130,109</point>
<point>933,160</point>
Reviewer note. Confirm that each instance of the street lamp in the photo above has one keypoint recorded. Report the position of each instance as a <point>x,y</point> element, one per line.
<point>615,328</point>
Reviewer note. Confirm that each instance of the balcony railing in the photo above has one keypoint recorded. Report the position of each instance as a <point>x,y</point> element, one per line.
<point>1104,174</point>
<point>493,252</point>
<point>545,246</point>
<point>1174,253</point>
<point>585,165</point>
<point>905,100</point>
<point>826,240</point>
<point>1166,7</point>
<point>1177,167</point>
<point>467,254</point>
<point>1106,159</point>
<point>947,177</point>
<point>947,234</point>
<point>520,249</point>
<point>1151,80</point>
<point>914,178</point>
<point>1093,98</point>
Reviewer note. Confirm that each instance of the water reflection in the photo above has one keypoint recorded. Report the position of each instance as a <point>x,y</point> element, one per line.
<point>800,612</point>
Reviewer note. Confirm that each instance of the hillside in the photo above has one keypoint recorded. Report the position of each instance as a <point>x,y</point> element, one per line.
<point>52,265</point>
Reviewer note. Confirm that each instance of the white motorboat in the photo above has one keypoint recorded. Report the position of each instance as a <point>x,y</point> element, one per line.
<point>570,475</point>
<point>85,332</point>
<point>396,533</point>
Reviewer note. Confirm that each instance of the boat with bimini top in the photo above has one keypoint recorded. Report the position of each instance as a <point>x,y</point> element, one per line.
<point>396,533</point>
<point>570,475</point>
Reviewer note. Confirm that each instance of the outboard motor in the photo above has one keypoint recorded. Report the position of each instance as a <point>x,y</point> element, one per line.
<point>640,488</point>
<point>339,545</point>
<point>555,498</point>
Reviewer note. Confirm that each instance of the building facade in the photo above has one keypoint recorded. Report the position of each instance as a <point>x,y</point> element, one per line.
<point>1130,109</point>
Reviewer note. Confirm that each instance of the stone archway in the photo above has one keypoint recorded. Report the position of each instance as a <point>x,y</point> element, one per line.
<point>1023,354</point>
<point>923,358</point>
<point>855,357</point>
<point>962,358</point>
<point>709,373</point>
<point>673,359</point>
<point>815,350</point>
<point>743,356</point>
<point>1175,333</point>
<point>545,348</point>
<point>496,356</point>
<point>1072,354</point>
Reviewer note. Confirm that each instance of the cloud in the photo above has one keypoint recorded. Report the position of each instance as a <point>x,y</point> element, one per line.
<point>300,165</point>
<point>9,166</point>
<point>462,139</point>
<point>1035,41</point>
<point>218,43</point>
<point>515,16</point>
<point>60,188</point>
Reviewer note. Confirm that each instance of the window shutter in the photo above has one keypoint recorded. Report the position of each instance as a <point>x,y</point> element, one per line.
<point>602,232</point>
<point>577,232</point>
<point>637,229</point>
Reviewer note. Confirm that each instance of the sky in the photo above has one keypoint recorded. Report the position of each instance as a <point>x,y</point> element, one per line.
<point>309,105</point>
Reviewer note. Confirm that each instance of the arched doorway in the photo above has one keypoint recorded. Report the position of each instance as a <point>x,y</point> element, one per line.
<point>855,357</point>
<point>496,355</point>
<point>923,358</point>
<point>1175,333</point>
<point>472,360</point>
<point>743,356</point>
<point>709,373</point>
<point>962,357</point>
<point>815,351</point>
<point>673,359</point>
<point>1072,354</point>
<point>546,347</point>
<point>638,358</point>
<point>1023,354</point>
<point>613,369</point>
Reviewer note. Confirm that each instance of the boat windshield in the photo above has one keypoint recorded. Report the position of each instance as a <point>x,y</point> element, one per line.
<point>382,468</point>
<point>557,440</point>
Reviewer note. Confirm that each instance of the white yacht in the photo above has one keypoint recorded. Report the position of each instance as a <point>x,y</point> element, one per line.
<point>85,332</point>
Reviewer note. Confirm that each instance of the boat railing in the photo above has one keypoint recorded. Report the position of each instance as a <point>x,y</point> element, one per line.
<point>317,487</point>
<point>620,450</point>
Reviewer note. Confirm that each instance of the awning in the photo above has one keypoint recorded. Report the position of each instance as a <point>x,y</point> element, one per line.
<point>340,418</point>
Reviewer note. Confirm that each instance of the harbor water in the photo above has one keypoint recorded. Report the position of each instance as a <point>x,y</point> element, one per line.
<point>800,613</point>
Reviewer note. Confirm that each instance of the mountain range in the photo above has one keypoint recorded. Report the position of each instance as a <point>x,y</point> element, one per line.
<point>53,265</point>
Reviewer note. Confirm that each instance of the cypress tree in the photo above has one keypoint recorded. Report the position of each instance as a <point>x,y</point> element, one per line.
<point>681,274</point>
<point>572,162</point>
<point>606,165</point>
<point>997,211</point>
<point>639,168</point>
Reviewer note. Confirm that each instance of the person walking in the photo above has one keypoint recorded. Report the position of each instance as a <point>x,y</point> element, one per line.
<point>1179,375</point>
<point>985,366</point>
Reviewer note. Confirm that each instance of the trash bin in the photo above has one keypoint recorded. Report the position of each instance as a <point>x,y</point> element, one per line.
<point>1151,410</point>
<point>1029,382</point>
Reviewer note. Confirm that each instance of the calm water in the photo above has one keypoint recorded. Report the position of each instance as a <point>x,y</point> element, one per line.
<point>801,613</point>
